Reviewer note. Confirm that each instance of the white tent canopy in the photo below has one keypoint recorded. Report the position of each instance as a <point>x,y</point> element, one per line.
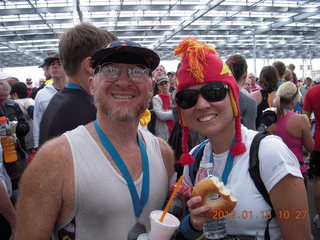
<point>265,29</point>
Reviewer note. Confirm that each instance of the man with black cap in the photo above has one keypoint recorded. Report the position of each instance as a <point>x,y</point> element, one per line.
<point>45,66</point>
<point>44,95</point>
<point>46,72</point>
<point>102,180</point>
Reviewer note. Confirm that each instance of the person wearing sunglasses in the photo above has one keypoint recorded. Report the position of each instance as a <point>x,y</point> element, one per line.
<point>208,102</point>
<point>101,180</point>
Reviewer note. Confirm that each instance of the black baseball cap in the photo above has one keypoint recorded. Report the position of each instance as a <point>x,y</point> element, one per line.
<point>125,51</point>
<point>47,61</point>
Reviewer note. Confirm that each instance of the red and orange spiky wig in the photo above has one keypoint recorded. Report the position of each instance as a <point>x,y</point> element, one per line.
<point>200,63</point>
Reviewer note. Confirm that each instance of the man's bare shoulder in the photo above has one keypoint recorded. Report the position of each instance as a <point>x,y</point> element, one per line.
<point>164,146</point>
<point>42,195</point>
<point>167,155</point>
<point>54,155</point>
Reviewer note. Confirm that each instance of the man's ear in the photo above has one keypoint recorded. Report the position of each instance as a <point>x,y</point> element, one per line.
<point>86,63</point>
<point>91,85</point>
<point>153,84</point>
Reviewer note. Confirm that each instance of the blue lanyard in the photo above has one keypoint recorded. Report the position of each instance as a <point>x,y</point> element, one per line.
<point>287,108</point>
<point>138,203</point>
<point>73,86</point>
<point>228,166</point>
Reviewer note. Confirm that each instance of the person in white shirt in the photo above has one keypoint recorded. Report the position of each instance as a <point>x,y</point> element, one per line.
<point>44,96</point>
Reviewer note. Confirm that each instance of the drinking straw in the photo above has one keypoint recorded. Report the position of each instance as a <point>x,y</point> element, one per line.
<point>171,199</point>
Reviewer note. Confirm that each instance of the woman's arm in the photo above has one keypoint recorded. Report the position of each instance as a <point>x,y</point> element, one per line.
<point>307,139</point>
<point>290,203</point>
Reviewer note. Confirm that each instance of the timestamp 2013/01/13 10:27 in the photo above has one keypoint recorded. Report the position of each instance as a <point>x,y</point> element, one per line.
<point>249,214</point>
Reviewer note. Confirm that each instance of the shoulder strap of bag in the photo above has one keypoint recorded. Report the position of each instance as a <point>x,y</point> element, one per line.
<point>256,177</point>
<point>197,154</point>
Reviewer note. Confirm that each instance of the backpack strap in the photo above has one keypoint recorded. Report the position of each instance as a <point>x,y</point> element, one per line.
<point>197,154</point>
<point>256,177</point>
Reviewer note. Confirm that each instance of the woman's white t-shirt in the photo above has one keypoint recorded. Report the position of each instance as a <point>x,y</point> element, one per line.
<point>250,214</point>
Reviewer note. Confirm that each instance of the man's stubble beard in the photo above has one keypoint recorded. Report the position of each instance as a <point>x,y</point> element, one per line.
<point>122,114</point>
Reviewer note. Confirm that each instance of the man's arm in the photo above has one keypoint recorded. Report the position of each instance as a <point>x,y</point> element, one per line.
<point>41,191</point>
<point>6,207</point>
<point>308,114</point>
<point>158,110</point>
<point>307,106</point>
<point>168,158</point>
<point>36,120</point>
<point>251,114</point>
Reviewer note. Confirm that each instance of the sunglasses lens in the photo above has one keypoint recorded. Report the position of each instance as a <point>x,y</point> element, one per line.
<point>214,92</point>
<point>211,92</point>
<point>187,98</point>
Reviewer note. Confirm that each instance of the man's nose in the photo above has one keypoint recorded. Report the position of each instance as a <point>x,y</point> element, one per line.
<point>123,79</point>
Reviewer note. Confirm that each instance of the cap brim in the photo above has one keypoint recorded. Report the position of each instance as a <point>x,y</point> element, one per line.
<point>162,81</point>
<point>41,65</point>
<point>142,56</point>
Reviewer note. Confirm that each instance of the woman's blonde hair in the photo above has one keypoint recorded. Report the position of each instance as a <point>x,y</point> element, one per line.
<point>286,94</point>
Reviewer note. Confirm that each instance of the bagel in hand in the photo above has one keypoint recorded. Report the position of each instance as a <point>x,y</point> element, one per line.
<point>215,195</point>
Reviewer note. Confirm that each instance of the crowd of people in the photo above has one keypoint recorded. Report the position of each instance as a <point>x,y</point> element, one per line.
<point>102,139</point>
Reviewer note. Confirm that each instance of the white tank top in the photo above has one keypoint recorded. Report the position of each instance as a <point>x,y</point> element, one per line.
<point>103,208</point>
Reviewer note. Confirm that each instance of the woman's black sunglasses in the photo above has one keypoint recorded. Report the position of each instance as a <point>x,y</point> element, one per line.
<point>211,92</point>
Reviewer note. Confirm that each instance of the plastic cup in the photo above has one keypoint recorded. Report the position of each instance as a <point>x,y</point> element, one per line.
<point>162,230</point>
<point>143,236</point>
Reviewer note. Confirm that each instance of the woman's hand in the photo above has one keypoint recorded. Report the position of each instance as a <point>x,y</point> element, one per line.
<point>197,217</point>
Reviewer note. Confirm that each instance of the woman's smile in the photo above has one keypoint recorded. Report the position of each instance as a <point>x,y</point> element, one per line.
<point>207,118</point>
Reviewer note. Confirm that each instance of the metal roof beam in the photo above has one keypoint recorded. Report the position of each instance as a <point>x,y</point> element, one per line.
<point>293,19</point>
<point>211,5</point>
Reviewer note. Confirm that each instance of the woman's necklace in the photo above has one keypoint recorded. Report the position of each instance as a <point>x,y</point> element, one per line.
<point>287,108</point>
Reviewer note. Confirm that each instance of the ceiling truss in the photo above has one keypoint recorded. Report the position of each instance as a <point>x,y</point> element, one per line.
<point>268,29</point>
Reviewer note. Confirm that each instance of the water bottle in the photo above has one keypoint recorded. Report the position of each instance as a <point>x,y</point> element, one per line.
<point>9,149</point>
<point>7,142</point>
<point>214,228</point>
<point>205,170</point>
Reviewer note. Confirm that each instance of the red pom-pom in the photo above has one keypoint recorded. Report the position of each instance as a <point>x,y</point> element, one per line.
<point>238,149</point>
<point>186,159</point>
